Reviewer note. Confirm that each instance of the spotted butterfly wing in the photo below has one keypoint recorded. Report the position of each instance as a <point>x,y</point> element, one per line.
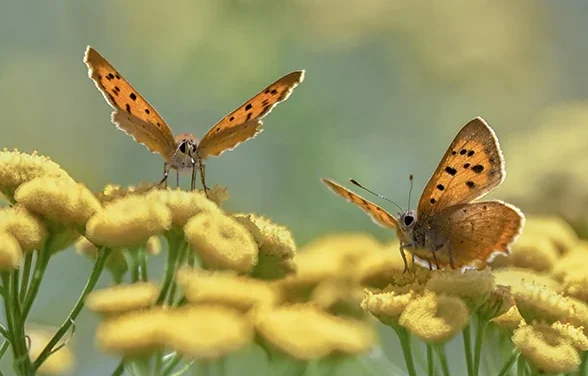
<point>472,166</point>
<point>245,122</point>
<point>378,215</point>
<point>476,231</point>
<point>132,113</point>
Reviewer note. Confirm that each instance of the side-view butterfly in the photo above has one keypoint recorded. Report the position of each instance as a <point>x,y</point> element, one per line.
<point>135,116</point>
<point>448,229</point>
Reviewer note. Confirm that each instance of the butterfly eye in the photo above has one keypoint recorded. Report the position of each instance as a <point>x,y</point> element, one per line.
<point>183,147</point>
<point>408,219</point>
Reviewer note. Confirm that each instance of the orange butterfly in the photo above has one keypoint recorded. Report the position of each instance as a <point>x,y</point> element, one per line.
<point>134,116</point>
<point>448,229</point>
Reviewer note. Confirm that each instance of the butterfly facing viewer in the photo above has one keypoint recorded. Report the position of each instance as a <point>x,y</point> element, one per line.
<point>134,116</point>
<point>448,229</point>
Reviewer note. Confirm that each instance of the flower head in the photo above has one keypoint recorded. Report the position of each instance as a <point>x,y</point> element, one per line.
<point>378,269</point>
<point>499,302</point>
<point>184,205</point>
<point>546,349</point>
<point>17,168</point>
<point>388,304</point>
<point>122,298</point>
<point>10,252</point>
<point>555,229</point>
<point>113,192</point>
<point>435,318</point>
<point>534,252</point>
<point>277,248</point>
<point>473,286</point>
<point>510,320</point>
<point>128,222</point>
<point>516,277</point>
<point>221,242</point>
<point>27,229</point>
<point>226,288</point>
<point>59,199</point>
<point>304,332</point>
<point>60,362</point>
<point>197,332</point>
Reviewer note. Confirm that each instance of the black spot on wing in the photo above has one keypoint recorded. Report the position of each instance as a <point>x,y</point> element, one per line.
<point>432,201</point>
<point>467,165</point>
<point>133,96</point>
<point>128,108</point>
<point>450,170</point>
<point>478,168</point>
<point>248,107</point>
<point>440,187</point>
<point>462,151</point>
<point>470,153</point>
<point>470,184</point>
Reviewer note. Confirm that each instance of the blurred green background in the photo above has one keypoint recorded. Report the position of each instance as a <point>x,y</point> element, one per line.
<point>388,85</point>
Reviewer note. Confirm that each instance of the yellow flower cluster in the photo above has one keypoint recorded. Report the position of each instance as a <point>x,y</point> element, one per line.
<point>547,278</point>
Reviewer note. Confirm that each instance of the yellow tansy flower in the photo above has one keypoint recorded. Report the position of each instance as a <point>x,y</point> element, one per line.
<point>575,335</point>
<point>515,277</point>
<point>10,252</point>
<point>472,286</point>
<point>128,222</point>
<point>499,302</point>
<point>59,199</point>
<point>184,205</point>
<point>435,318</point>
<point>221,242</point>
<point>555,229</point>
<point>17,168</point>
<point>122,298</point>
<point>377,269</point>
<point>306,333</point>
<point>277,248</point>
<point>534,252</point>
<point>27,229</point>
<point>113,192</point>
<point>388,304</point>
<point>226,288</point>
<point>546,349</point>
<point>197,332</point>
<point>510,320</point>
<point>60,362</point>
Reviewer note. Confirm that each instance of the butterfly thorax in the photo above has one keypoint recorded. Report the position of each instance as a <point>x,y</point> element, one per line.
<point>185,155</point>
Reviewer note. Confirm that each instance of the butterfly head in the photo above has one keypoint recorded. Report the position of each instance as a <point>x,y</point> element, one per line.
<point>406,222</point>
<point>186,151</point>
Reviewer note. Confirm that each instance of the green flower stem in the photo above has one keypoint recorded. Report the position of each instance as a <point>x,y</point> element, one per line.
<point>181,259</point>
<point>442,359</point>
<point>4,347</point>
<point>172,254</point>
<point>430,360</point>
<point>404,338</point>
<point>521,366</point>
<point>130,256</point>
<point>22,362</point>
<point>143,272</point>
<point>41,263</point>
<point>467,344</point>
<point>26,273</point>
<point>99,263</point>
<point>584,365</point>
<point>481,326</point>
<point>3,332</point>
<point>120,368</point>
<point>171,364</point>
<point>510,361</point>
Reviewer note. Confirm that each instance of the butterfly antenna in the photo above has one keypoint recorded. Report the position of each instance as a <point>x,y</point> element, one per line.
<point>354,182</point>
<point>410,191</point>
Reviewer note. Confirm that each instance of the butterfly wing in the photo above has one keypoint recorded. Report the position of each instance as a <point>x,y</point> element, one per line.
<point>472,166</point>
<point>245,122</point>
<point>378,215</point>
<point>132,114</point>
<point>473,232</point>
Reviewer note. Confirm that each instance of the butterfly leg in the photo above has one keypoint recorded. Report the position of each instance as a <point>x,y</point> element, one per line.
<point>402,247</point>
<point>193,181</point>
<point>165,173</point>
<point>203,176</point>
<point>450,257</point>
